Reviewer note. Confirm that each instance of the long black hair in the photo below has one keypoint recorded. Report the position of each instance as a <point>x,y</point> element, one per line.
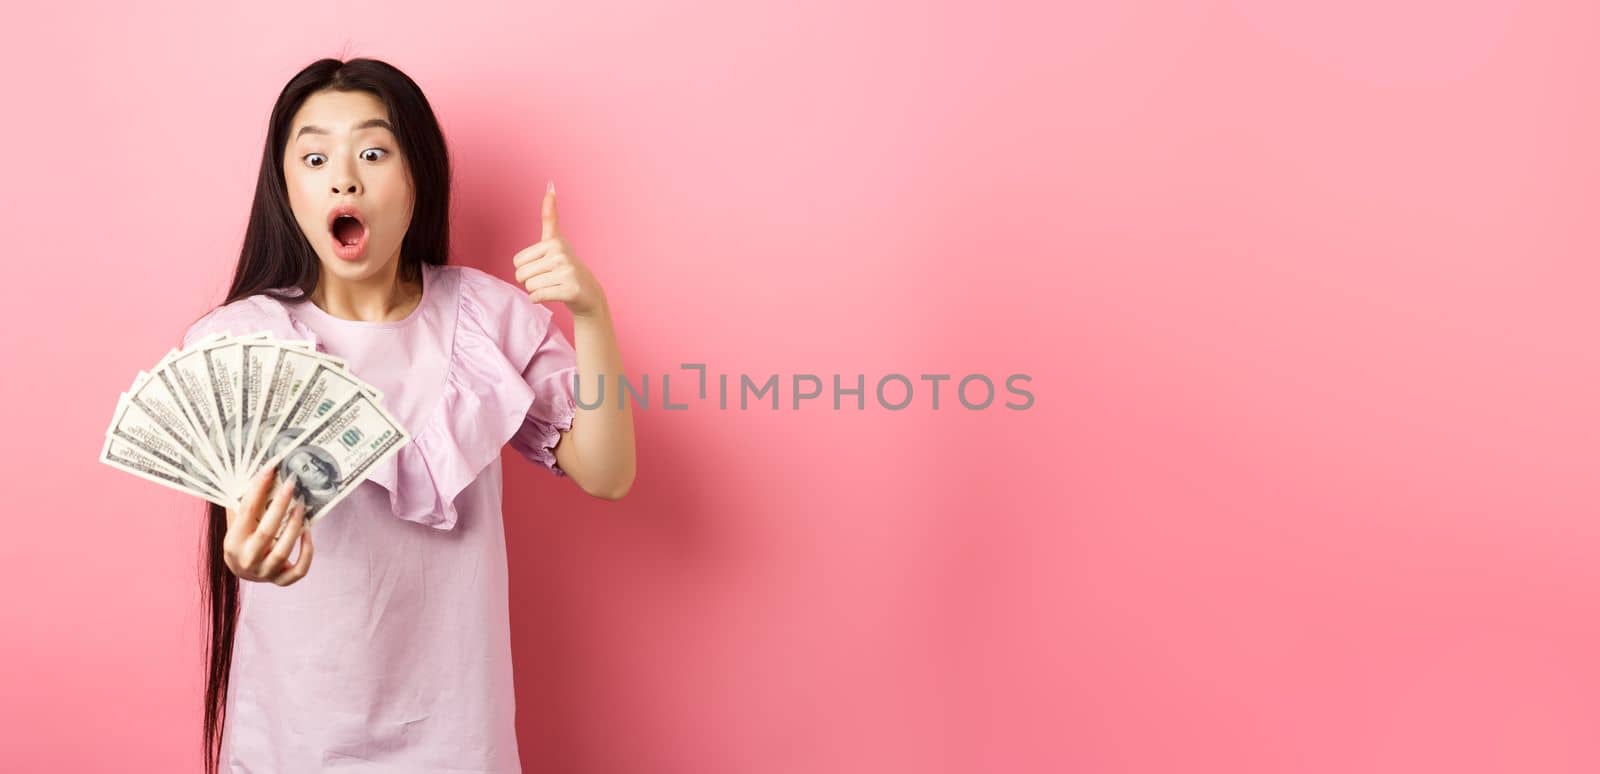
<point>276,254</point>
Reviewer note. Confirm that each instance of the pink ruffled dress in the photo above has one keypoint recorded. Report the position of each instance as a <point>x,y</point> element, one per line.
<point>394,653</point>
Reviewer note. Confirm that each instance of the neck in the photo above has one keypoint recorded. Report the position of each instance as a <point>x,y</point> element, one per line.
<point>383,297</point>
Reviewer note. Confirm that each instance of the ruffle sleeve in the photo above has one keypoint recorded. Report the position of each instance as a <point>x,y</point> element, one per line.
<point>509,381</point>
<point>550,373</point>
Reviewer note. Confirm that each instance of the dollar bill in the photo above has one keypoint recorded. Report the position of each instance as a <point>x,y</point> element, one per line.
<point>293,373</point>
<point>133,426</point>
<point>259,359</point>
<point>153,394</point>
<point>329,458</point>
<point>129,457</point>
<point>206,418</point>
<point>205,401</point>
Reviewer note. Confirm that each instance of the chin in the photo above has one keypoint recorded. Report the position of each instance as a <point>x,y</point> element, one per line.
<point>353,271</point>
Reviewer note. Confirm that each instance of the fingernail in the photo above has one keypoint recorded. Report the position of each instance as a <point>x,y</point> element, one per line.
<point>551,187</point>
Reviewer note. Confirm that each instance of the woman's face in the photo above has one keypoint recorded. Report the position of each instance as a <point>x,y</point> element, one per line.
<point>342,153</point>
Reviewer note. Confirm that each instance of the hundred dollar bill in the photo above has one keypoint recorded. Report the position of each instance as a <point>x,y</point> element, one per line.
<point>153,395</point>
<point>225,365</point>
<point>207,400</point>
<point>330,457</point>
<point>208,416</point>
<point>340,364</point>
<point>124,455</point>
<point>302,391</point>
<point>134,426</point>
<point>300,345</point>
<point>259,358</point>
<point>290,373</point>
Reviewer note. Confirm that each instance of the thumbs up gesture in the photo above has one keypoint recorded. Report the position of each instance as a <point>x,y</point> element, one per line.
<point>550,272</point>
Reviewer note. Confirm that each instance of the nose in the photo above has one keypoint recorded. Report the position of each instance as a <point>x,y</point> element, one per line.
<point>345,180</point>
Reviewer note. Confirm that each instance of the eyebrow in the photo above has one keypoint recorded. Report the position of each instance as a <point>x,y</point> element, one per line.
<point>367,124</point>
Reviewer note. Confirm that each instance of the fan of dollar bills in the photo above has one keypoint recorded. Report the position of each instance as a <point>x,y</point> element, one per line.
<point>209,418</point>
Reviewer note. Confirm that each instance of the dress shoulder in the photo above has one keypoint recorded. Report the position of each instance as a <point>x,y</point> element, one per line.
<point>251,314</point>
<point>503,313</point>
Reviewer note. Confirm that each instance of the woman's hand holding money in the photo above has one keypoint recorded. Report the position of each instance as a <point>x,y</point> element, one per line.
<point>252,547</point>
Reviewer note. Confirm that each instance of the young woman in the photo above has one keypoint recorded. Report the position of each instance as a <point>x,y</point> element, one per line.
<point>395,655</point>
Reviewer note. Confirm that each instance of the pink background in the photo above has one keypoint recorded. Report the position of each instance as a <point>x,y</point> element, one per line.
<point>1307,292</point>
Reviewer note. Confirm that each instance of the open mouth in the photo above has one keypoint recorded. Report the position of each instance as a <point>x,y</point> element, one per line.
<point>347,230</point>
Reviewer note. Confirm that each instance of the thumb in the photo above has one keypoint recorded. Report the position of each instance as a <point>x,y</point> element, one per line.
<point>549,213</point>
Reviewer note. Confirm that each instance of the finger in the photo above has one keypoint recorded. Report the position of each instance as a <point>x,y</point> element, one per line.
<point>279,554</point>
<point>548,279</point>
<point>535,251</point>
<point>302,563</point>
<point>549,212</point>
<point>538,267</point>
<point>282,498</point>
<point>261,539</point>
<point>557,292</point>
<point>259,487</point>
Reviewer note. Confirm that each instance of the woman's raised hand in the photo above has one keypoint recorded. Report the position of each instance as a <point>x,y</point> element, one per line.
<point>252,547</point>
<point>549,270</point>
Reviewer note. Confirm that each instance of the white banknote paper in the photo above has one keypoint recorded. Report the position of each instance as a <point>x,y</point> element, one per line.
<point>207,419</point>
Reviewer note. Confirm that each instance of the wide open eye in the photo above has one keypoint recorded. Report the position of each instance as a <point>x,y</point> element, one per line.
<point>308,156</point>
<point>382,153</point>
